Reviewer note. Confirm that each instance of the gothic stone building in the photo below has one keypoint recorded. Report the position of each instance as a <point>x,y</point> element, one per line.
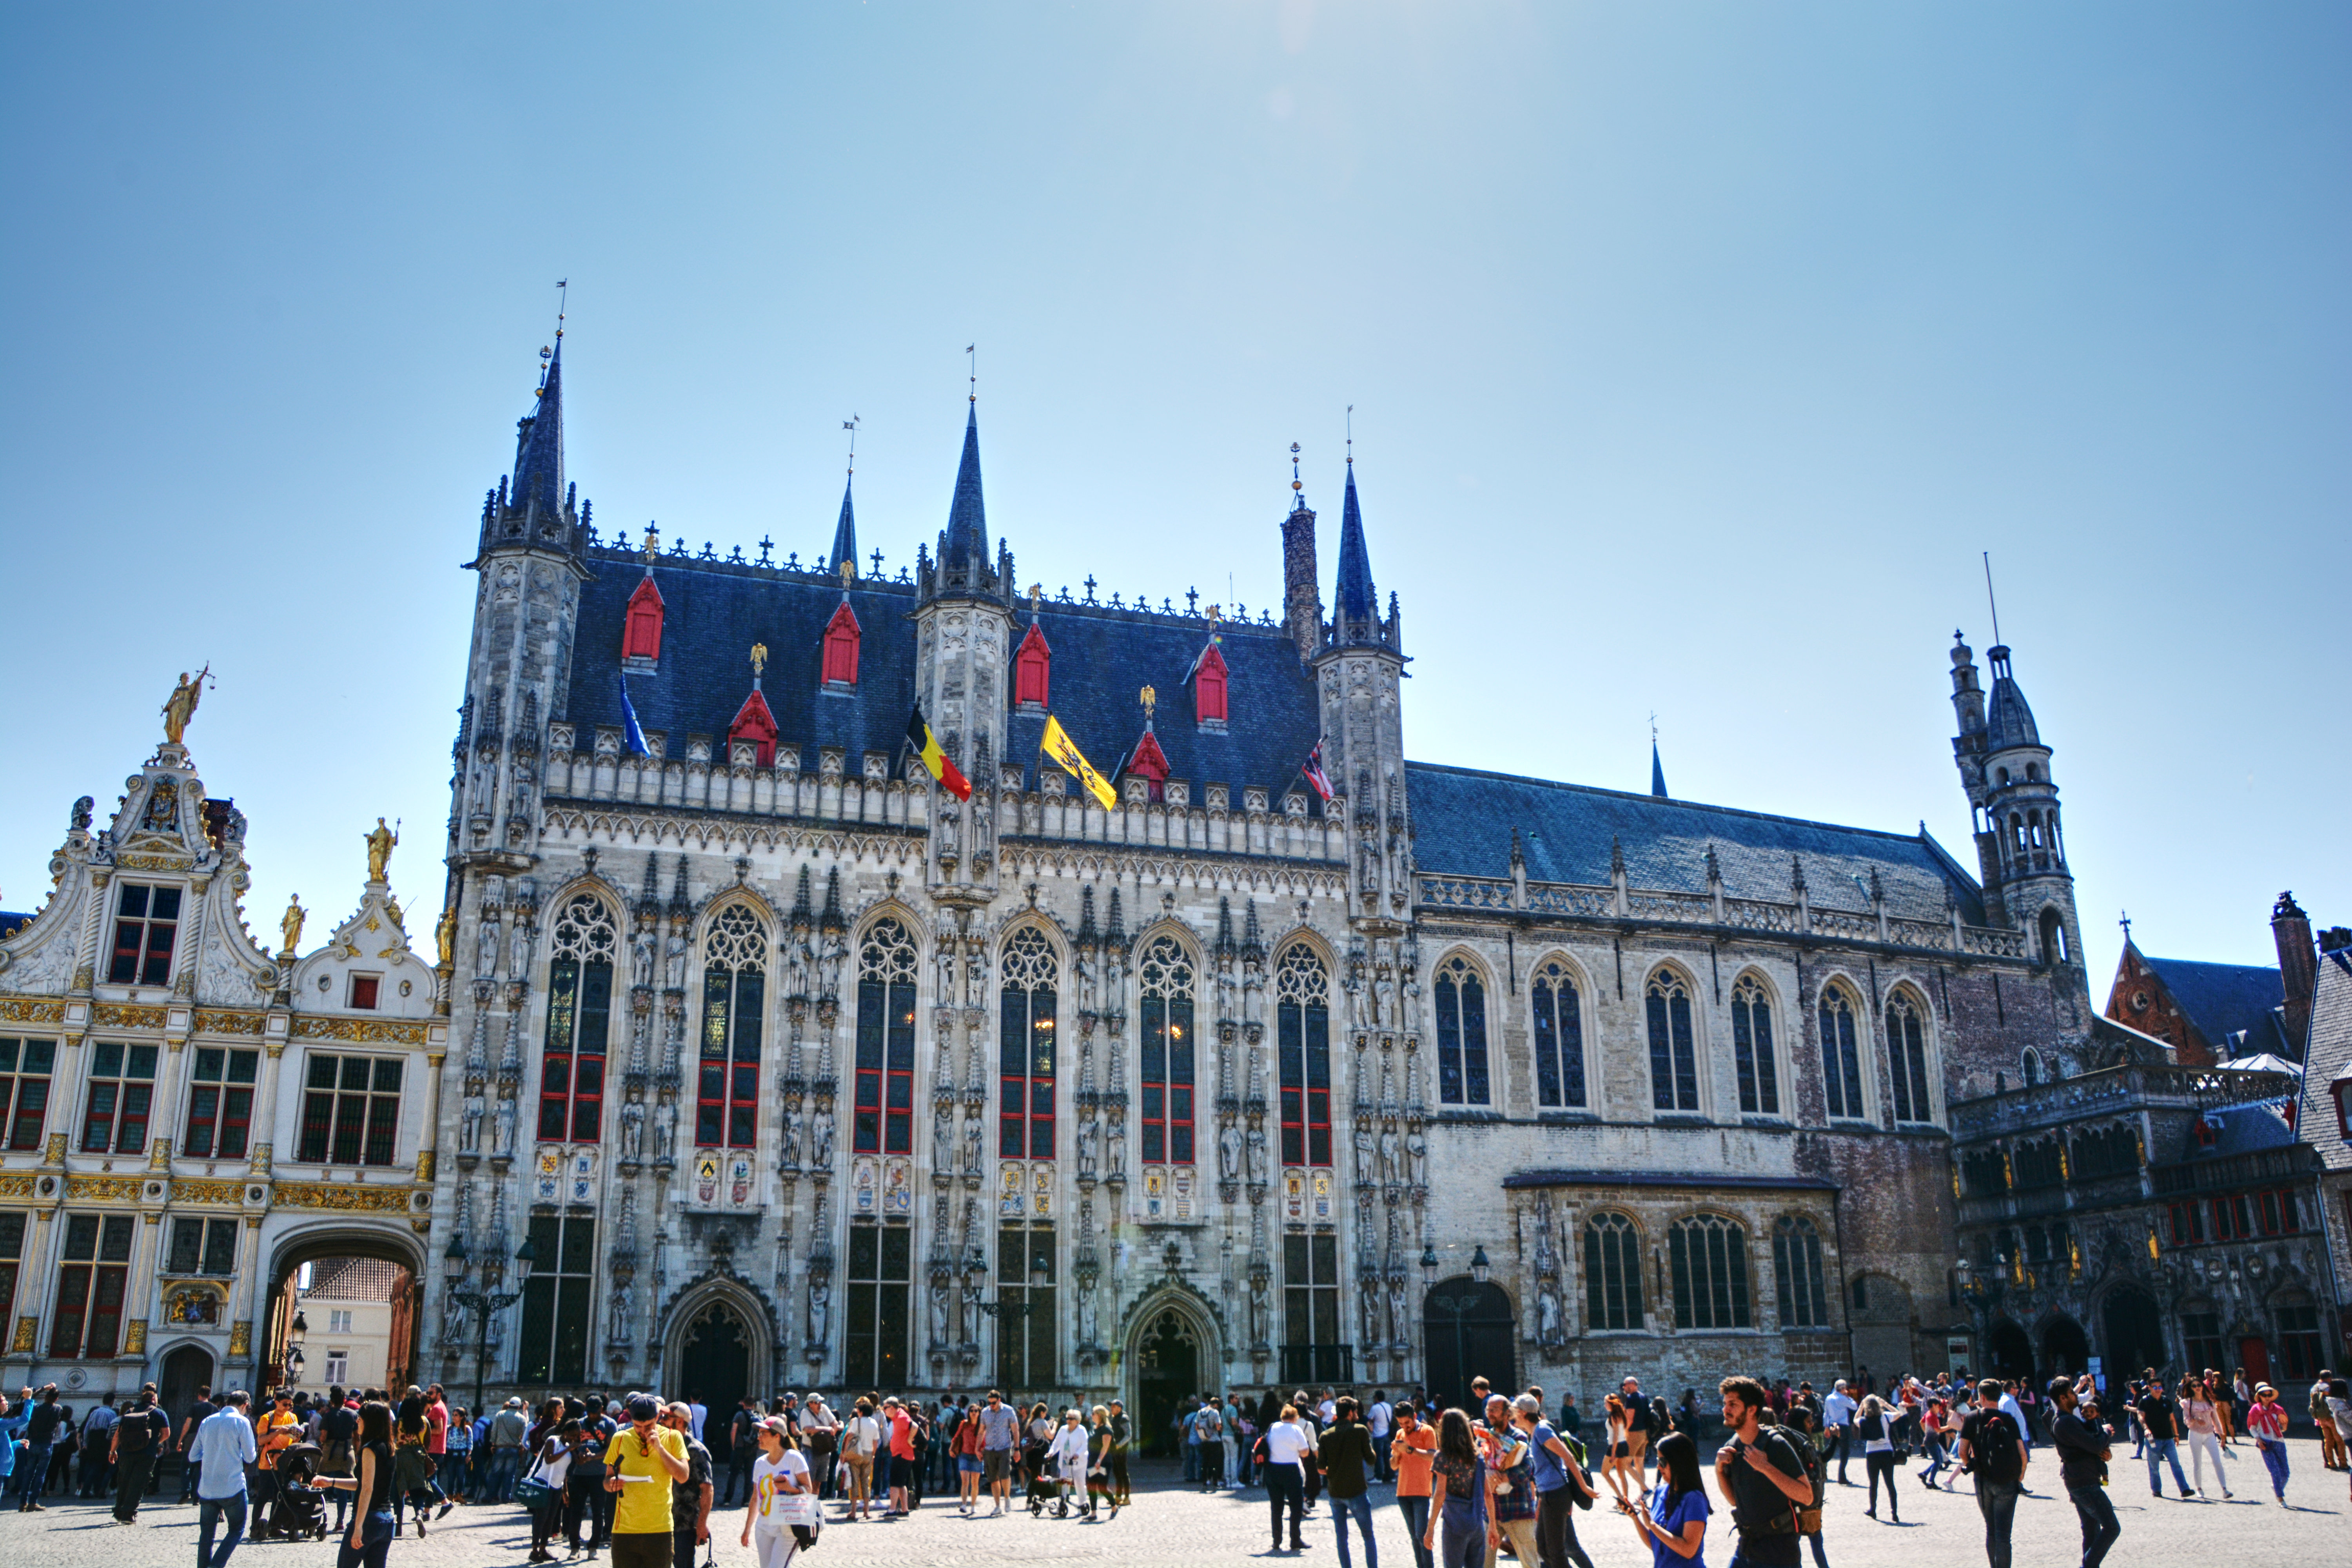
<point>795,1070</point>
<point>187,1118</point>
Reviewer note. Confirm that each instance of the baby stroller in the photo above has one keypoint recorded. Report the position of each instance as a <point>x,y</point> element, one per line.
<point>301,1507</point>
<point>1044,1486</point>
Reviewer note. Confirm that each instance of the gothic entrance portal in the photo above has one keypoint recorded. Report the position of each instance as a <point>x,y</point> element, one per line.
<point>2135,1333</point>
<point>1470,1334</point>
<point>1167,1359</point>
<point>715,1367</point>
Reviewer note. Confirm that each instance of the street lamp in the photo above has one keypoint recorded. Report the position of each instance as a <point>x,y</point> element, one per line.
<point>1479,1266</point>
<point>482,1303</point>
<point>1429,1266</point>
<point>301,1325</point>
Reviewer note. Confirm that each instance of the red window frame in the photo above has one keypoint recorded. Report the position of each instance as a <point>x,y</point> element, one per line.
<point>25,1070</point>
<point>884,1121</point>
<point>1303,1033</point>
<point>641,629</point>
<point>146,929</point>
<point>1167,1057</point>
<point>571,1067</point>
<point>2187,1224</point>
<point>366,989</point>
<point>1209,688</point>
<point>220,1103</point>
<point>1025,1128</point>
<point>122,1095</point>
<point>91,1284</point>
<point>1033,670</point>
<point>841,636</point>
<point>351,1111</point>
<point>727,1106</point>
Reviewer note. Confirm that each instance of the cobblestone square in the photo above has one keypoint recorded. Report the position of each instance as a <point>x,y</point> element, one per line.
<point>1171,1524</point>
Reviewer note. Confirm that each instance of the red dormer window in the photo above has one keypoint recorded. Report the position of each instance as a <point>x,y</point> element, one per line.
<point>841,647</point>
<point>641,632</point>
<point>1209,688</point>
<point>754,723</point>
<point>1032,669</point>
<point>1150,763</point>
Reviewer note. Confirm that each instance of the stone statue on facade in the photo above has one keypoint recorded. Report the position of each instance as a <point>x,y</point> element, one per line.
<point>1363,1141</point>
<point>972,1132</point>
<point>1389,1155</point>
<point>1416,1157</point>
<point>1398,1325</point>
<point>644,966</point>
<point>943,1140</point>
<point>470,1136</point>
<point>486,950</point>
<point>1116,1166</point>
<point>1229,1153</point>
<point>633,1129</point>
<point>1089,1145</point>
<point>181,706</point>
<point>505,1123</point>
<point>1257,1140</point>
<point>674,980</point>
<point>788,1142</point>
<point>666,1132</point>
<point>1087,1323</point>
<point>518,950</point>
<point>1547,1315</point>
<point>820,1313</point>
<point>821,1139</point>
<point>938,1316</point>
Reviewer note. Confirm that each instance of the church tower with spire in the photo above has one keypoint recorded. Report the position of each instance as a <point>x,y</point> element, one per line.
<point>2021,848</point>
<point>1358,667</point>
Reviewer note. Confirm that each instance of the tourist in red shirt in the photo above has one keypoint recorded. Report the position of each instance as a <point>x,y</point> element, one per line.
<point>436,1443</point>
<point>902,1454</point>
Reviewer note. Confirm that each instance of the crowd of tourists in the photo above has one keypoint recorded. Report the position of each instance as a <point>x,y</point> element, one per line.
<point>630,1475</point>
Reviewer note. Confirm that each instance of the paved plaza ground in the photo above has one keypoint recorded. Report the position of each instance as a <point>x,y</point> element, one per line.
<point>1171,1525</point>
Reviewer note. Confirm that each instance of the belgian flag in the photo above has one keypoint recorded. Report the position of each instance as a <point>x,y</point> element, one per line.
<point>927,746</point>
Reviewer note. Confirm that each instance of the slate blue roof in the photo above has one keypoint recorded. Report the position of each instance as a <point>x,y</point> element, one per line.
<point>12,921</point>
<point>539,455</point>
<point>2010,722</point>
<point>1102,657</point>
<point>1465,819</point>
<point>2226,1000</point>
<point>2329,1060</point>
<point>2243,1129</point>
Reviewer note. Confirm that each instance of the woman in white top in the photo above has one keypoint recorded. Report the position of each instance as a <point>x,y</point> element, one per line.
<point>1287,1447</point>
<point>782,1515</point>
<point>1876,1424</point>
<point>1068,1453</point>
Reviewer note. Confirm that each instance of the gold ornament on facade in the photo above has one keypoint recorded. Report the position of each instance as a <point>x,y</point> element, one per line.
<point>290,922</point>
<point>23,1010</point>
<point>27,1328</point>
<point>445,935</point>
<point>240,1338</point>
<point>186,1191</point>
<point>134,1337</point>
<point>342,1198</point>
<point>103,1189</point>
<point>380,846</point>
<point>425,1165</point>
<point>181,706</point>
<point>383,1031</point>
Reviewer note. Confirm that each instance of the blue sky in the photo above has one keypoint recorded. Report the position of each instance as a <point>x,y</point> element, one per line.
<point>1696,351</point>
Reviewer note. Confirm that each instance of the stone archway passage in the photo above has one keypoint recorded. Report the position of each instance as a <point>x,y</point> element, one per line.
<point>2065,1348</point>
<point>715,1367</point>
<point>1469,1329</point>
<point>1166,1355</point>
<point>2009,1352</point>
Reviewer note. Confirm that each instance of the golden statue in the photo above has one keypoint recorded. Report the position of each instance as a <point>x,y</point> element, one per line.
<point>392,908</point>
<point>380,845</point>
<point>292,921</point>
<point>759,659</point>
<point>445,934</point>
<point>181,706</point>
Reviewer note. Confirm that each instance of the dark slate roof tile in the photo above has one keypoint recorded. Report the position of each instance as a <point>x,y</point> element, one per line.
<point>1465,819</point>
<point>2225,999</point>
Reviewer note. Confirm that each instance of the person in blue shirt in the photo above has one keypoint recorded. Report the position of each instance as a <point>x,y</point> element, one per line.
<point>219,1452</point>
<point>1672,1523</point>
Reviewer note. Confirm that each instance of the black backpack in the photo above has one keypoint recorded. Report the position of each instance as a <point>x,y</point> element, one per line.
<point>1998,1452</point>
<point>135,1432</point>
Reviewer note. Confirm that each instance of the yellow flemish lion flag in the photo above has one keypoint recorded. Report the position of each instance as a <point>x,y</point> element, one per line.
<point>1058,745</point>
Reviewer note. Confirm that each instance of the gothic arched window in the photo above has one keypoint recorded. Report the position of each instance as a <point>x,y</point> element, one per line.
<point>579,1023</point>
<point>1796,1271</point>
<point>734,1002</point>
<point>1751,1049</point>
<point>1025,1125</point>
<point>1674,1057</point>
<point>1840,1057</point>
<point>1708,1256</point>
<point>1302,1012</point>
<point>1461,1034</point>
<point>1167,1052</point>
<point>1907,1054</point>
<point>1612,1273</point>
<point>1560,1039</point>
<point>885,1113</point>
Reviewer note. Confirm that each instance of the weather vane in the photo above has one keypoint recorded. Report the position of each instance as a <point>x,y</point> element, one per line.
<point>850,424</point>
<point>1295,485</point>
<point>972,354</point>
<point>1351,435</point>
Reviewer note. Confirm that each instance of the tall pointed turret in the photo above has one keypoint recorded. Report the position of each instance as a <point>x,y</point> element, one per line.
<point>964,545</point>
<point>1658,771</point>
<point>539,447</point>
<point>1357,607</point>
<point>845,532</point>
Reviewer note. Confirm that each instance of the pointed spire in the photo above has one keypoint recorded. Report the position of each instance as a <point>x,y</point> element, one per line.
<point>964,545</point>
<point>845,532</point>
<point>1358,605</point>
<point>804,911</point>
<point>539,447</point>
<point>833,919</point>
<point>1658,771</point>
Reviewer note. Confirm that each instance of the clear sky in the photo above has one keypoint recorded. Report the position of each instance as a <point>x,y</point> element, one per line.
<point>1695,351</point>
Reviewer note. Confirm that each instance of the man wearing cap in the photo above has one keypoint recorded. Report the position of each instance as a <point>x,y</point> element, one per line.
<point>689,1504</point>
<point>821,1431</point>
<point>508,1427</point>
<point>641,1465</point>
<point>742,1447</point>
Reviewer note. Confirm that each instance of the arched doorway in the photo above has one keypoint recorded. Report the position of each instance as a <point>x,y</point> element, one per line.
<point>401,1295</point>
<point>185,1371</point>
<point>714,1366</point>
<point>1166,1353</point>
<point>2010,1353</point>
<point>2135,1334</point>
<point>1469,1334</point>
<point>2065,1348</point>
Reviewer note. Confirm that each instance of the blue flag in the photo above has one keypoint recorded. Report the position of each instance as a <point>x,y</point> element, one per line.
<point>630,730</point>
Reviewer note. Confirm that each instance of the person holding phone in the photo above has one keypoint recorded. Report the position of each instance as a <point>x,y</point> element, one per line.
<point>641,1466</point>
<point>1673,1522</point>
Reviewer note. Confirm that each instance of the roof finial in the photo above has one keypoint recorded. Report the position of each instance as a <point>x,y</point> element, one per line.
<point>652,545</point>
<point>1990,601</point>
<point>1036,592</point>
<point>1296,485</point>
<point>758,663</point>
<point>1351,435</point>
<point>2126,923</point>
<point>850,424</point>
<point>1151,701</point>
<point>563,292</point>
<point>972,355</point>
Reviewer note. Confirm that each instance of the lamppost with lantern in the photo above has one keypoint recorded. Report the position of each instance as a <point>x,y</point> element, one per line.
<point>1041,1275</point>
<point>483,1302</point>
<point>293,1367</point>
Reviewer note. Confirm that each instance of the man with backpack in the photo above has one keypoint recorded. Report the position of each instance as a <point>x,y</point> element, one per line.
<point>1761,1476</point>
<point>137,1434</point>
<point>742,1447</point>
<point>1993,1450</point>
<point>1209,1431</point>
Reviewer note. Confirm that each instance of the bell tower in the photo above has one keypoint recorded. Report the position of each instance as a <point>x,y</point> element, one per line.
<point>2020,845</point>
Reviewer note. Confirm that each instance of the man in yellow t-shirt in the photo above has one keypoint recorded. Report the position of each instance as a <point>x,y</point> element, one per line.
<point>641,1464</point>
<point>277,1432</point>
